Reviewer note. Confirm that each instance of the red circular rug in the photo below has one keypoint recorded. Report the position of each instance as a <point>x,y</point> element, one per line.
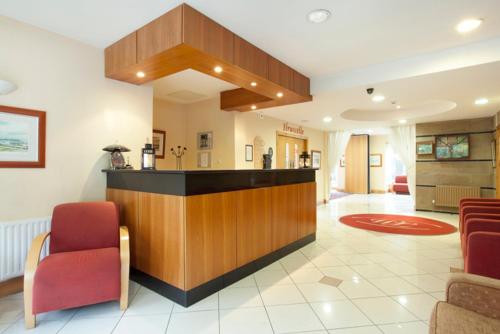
<point>398,224</point>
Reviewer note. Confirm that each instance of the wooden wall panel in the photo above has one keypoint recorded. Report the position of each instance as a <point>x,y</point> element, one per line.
<point>160,35</point>
<point>128,201</point>
<point>280,73</point>
<point>307,209</point>
<point>284,215</point>
<point>121,55</point>
<point>253,224</point>
<point>160,240</point>
<point>250,57</point>
<point>210,237</point>
<point>206,35</point>
<point>356,170</point>
<point>301,84</point>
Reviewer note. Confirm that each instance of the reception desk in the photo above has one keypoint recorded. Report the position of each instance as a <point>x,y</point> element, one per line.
<point>193,233</point>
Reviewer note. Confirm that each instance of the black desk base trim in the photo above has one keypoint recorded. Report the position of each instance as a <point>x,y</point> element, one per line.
<point>188,298</point>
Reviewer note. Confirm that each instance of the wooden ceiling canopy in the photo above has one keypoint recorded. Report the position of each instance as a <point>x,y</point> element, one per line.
<point>184,38</point>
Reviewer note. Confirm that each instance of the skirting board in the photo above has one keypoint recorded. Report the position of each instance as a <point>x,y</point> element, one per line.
<point>11,286</point>
<point>188,298</point>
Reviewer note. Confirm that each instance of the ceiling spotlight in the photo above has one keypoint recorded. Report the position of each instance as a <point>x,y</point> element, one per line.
<point>279,94</point>
<point>140,74</point>
<point>253,84</point>
<point>318,15</point>
<point>327,119</point>
<point>378,98</point>
<point>398,107</point>
<point>7,87</point>
<point>218,69</point>
<point>402,121</point>
<point>481,101</point>
<point>468,25</point>
<point>254,107</point>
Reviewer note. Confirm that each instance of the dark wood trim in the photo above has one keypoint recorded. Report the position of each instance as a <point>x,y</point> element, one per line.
<point>41,138</point>
<point>190,297</point>
<point>11,286</point>
<point>456,134</point>
<point>434,186</point>
<point>455,160</point>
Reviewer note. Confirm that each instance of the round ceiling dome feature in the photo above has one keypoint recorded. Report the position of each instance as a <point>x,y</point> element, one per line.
<point>318,15</point>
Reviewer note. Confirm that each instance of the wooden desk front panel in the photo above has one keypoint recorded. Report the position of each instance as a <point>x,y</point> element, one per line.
<point>284,213</point>
<point>306,209</point>
<point>210,237</point>
<point>254,230</point>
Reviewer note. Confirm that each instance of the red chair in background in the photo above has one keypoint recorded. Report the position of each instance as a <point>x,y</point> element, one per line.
<point>400,185</point>
<point>88,261</point>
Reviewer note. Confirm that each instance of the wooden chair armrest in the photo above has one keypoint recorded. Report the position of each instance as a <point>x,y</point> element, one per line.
<point>32,261</point>
<point>125,266</point>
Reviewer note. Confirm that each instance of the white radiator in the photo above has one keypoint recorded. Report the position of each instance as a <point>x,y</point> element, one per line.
<point>15,241</point>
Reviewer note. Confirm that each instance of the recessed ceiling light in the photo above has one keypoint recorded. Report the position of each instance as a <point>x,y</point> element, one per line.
<point>318,15</point>
<point>254,107</point>
<point>378,98</point>
<point>468,25</point>
<point>218,69</point>
<point>402,121</point>
<point>140,74</point>
<point>279,94</point>
<point>253,84</point>
<point>398,107</point>
<point>481,101</point>
<point>327,119</point>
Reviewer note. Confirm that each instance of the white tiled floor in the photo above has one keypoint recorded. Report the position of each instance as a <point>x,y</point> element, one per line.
<point>391,282</point>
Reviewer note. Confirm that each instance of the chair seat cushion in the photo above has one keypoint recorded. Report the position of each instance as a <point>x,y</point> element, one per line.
<point>401,188</point>
<point>72,279</point>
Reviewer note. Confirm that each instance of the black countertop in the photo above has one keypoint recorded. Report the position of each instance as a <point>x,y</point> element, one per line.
<point>197,182</point>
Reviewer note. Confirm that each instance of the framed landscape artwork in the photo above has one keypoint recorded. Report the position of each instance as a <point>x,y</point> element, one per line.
<point>375,160</point>
<point>452,147</point>
<point>159,143</point>
<point>316,159</point>
<point>22,138</point>
<point>425,148</point>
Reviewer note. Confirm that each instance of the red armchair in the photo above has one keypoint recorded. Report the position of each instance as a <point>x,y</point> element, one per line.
<point>478,223</point>
<point>483,254</point>
<point>476,209</point>
<point>88,261</point>
<point>400,185</point>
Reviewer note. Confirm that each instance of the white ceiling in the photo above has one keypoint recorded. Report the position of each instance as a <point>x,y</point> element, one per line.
<point>189,86</point>
<point>359,33</point>
<point>408,50</point>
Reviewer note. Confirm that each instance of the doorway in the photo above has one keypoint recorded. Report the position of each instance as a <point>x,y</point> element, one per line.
<point>288,149</point>
<point>357,171</point>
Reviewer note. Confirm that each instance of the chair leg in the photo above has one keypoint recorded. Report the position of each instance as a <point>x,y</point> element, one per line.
<point>29,320</point>
<point>124,300</point>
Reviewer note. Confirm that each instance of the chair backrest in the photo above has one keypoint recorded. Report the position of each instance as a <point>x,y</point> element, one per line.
<point>401,179</point>
<point>86,225</point>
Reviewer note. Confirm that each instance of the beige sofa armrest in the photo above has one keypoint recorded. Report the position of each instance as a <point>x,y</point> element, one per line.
<point>32,261</point>
<point>475,293</point>
<point>125,266</point>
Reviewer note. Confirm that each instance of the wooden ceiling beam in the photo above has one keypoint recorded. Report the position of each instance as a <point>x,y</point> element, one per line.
<point>184,38</point>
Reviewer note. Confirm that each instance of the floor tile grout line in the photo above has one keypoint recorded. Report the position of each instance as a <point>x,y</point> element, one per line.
<point>129,303</point>
<point>264,305</point>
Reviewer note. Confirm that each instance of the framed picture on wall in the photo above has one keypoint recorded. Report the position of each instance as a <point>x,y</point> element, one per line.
<point>375,160</point>
<point>342,161</point>
<point>204,160</point>
<point>425,148</point>
<point>22,138</point>
<point>452,147</point>
<point>248,152</point>
<point>159,143</point>
<point>315,159</point>
<point>205,140</point>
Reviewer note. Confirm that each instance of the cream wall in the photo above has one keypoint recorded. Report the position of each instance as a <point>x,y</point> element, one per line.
<point>171,118</point>
<point>85,112</point>
<point>378,145</point>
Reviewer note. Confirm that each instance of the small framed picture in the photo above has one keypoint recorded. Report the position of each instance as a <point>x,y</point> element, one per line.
<point>205,140</point>
<point>342,161</point>
<point>204,159</point>
<point>425,148</point>
<point>315,159</point>
<point>22,138</point>
<point>375,160</point>
<point>248,152</point>
<point>159,143</point>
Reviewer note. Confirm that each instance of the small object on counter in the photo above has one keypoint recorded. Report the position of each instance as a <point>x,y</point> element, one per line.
<point>304,160</point>
<point>116,160</point>
<point>148,160</point>
<point>178,156</point>
<point>267,159</point>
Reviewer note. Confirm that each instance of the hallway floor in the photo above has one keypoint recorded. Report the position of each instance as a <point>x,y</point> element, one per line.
<point>390,285</point>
